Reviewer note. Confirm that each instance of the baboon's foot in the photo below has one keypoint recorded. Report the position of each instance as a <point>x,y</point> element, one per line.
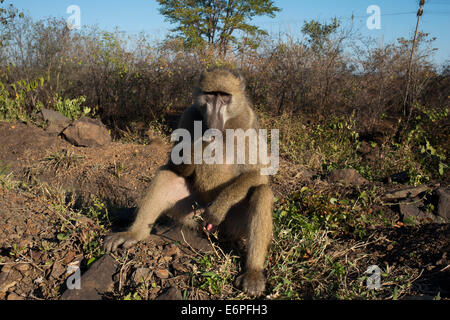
<point>252,282</point>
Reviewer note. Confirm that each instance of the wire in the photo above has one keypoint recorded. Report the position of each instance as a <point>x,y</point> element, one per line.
<point>387,14</point>
<point>436,12</point>
<point>439,2</point>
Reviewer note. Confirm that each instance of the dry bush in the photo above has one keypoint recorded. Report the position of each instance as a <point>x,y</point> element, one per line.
<point>133,79</point>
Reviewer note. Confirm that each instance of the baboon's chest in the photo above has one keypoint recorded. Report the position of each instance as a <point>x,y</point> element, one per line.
<point>210,179</point>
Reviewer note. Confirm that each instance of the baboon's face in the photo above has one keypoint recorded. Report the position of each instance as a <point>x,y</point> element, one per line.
<point>215,108</point>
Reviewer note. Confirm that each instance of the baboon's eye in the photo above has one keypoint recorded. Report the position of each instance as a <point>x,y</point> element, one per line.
<point>210,97</point>
<point>220,97</point>
<point>226,98</point>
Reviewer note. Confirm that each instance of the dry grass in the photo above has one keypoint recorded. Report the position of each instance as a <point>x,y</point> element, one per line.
<point>61,160</point>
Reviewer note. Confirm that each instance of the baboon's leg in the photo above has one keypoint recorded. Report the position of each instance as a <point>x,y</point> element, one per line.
<point>166,189</point>
<point>259,232</point>
<point>259,235</point>
<point>235,225</point>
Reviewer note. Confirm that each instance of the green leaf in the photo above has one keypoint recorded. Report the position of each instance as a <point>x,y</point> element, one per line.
<point>333,200</point>
<point>363,195</point>
<point>62,236</point>
<point>303,189</point>
<point>91,260</point>
<point>209,274</point>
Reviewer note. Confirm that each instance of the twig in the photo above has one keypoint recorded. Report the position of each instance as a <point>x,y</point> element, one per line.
<point>121,271</point>
<point>184,239</point>
<point>210,241</point>
<point>448,266</point>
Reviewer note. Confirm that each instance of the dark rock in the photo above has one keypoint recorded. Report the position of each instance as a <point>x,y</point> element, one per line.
<point>443,209</point>
<point>410,192</point>
<point>347,177</point>
<point>56,122</point>
<point>170,294</point>
<point>411,211</point>
<point>87,132</point>
<point>94,282</point>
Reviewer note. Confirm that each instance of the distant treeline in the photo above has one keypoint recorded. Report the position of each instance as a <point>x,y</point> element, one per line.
<point>133,78</point>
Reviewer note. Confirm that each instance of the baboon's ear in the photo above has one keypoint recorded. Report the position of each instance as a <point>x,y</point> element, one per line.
<point>241,80</point>
<point>238,75</point>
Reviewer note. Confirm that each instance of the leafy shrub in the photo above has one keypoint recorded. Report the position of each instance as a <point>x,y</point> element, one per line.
<point>427,138</point>
<point>14,98</point>
<point>72,108</point>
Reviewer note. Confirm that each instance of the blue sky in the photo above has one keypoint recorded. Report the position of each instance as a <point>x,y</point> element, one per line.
<point>398,18</point>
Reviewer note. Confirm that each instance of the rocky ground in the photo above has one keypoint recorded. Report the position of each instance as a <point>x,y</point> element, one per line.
<point>58,199</point>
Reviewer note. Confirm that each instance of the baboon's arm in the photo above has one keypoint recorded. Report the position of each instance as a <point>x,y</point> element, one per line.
<point>183,170</point>
<point>233,194</point>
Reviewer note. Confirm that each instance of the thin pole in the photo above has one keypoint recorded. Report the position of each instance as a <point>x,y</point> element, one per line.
<point>406,110</point>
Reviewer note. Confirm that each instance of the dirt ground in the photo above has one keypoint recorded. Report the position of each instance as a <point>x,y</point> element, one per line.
<point>36,246</point>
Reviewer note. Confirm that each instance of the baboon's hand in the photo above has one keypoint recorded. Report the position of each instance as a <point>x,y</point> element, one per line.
<point>213,215</point>
<point>125,239</point>
<point>252,282</point>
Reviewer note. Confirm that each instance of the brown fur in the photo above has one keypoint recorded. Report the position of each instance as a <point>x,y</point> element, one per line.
<point>220,80</point>
<point>236,197</point>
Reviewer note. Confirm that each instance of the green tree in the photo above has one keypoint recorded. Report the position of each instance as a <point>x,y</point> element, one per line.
<point>216,22</point>
<point>318,33</point>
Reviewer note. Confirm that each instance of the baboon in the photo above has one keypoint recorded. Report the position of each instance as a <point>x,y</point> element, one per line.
<point>237,199</point>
